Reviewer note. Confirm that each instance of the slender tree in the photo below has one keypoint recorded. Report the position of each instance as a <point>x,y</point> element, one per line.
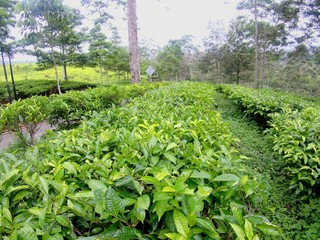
<point>133,41</point>
<point>10,53</point>
<point>45,23</point>
<point>7,20</point>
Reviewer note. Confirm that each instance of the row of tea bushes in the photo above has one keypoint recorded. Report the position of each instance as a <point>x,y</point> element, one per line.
<point>294,128</point>
<point>160,167</point>
<point>63,110</point>
<point>31,87</point>
<point>262,102</point>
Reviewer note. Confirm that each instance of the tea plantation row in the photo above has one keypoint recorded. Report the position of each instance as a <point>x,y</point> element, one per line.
<point>294,126</point>
<point>160,167</point>
<point>63,110</point>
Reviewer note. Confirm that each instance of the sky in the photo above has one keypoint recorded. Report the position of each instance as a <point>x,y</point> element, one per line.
<point>164,20</point>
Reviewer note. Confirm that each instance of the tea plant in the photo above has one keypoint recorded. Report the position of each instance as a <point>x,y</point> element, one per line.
<point>160,167</point>
<point>296,137</point>
<point>62,110</point>
<point>24,116</point>
<point>294,130</point>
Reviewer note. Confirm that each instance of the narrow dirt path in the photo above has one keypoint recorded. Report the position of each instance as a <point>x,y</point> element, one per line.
<point>7,138</point>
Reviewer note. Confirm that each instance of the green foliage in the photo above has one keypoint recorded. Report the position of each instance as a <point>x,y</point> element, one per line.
<point>296,136</point>
<point>62,110</point>
<point>294,131</point>
<point>24,116</point>
<point>160,167</point>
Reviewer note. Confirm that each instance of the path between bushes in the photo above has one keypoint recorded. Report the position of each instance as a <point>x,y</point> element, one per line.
<point>7,138</point>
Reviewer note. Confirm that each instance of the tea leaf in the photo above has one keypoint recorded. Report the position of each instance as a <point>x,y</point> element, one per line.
<point>113,202</point>
<point>181,223</point>
<point>238,230</point>
<point>226,178</point>
<point>248,229</point>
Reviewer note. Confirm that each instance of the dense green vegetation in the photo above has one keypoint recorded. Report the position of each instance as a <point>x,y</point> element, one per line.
<point>298,219</point>
<point>132,172</point>
<point>31,81</point>
<point>63,111</point>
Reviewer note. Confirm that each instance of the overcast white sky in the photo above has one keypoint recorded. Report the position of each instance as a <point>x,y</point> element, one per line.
<point>162,20</point>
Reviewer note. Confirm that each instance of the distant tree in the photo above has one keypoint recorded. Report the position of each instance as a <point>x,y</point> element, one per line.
<point>271,21</point>
<point>170,60</point>
<point>209,62</point>
<point>301,71</point>
<point>237,53</point>
<point>7,20</point>
<point>99,48</point>
<point>133,41</point>
<point>44,23</point>
<point>69,40</point>
<point>175,59</point>
<point>148,51</point>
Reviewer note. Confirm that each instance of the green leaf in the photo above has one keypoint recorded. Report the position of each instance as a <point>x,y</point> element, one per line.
<point>143,202</point>
<point>169,189</point>
<point>113,202</point>
<point>161,208</point>
<point>140,214</point>
<point>84,194</point>
<point>208,226</point>
<point>269,229</point>
<point>248,229</point>
<point>204,191</point>
<point>152,142</point>
<point>7,214</point>
<point>226,178</point>
<point>27,233</point>
<point>151,180</point>
<point>70,167</point>
<point>128,202</point>
<point>160,196</point>
<point>35,211</point>
<point>123,181</point>
<point>170,157</point>
<point>96,185</point>
<point>238,230</point>
<point>181,223</point>
<point>171,146</point>
<point>44,185</point>
<point>197,174</point>
<point>63,221</point>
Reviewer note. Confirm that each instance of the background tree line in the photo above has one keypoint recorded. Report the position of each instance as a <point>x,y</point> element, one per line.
<point>270,44</point>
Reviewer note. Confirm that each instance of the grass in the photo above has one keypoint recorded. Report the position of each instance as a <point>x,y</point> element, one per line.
<point>282,207</point>
<point>32,81</point>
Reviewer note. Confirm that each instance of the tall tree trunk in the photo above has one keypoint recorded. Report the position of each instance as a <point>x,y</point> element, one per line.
<point>133,41</point>
<point>55,68</point>
<point>12,78</point>
<point>6,78</point>
<point>64,64</point>
<point>238,73</point>
<point>256,73</point>
<point>263,66</point>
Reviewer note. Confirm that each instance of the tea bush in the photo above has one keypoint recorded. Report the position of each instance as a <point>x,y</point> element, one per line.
<point>160,167</point>
<point>63,110</point>
<point>294,128</point>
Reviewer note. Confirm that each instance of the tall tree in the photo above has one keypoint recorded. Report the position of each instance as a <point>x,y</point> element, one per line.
<point>210,61</point>
<point>133,41</point>
<point>7,20</point>
<point>99,48</point>
<point>44,23</point>
<point>69,40</point>
<point>237,53</point>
